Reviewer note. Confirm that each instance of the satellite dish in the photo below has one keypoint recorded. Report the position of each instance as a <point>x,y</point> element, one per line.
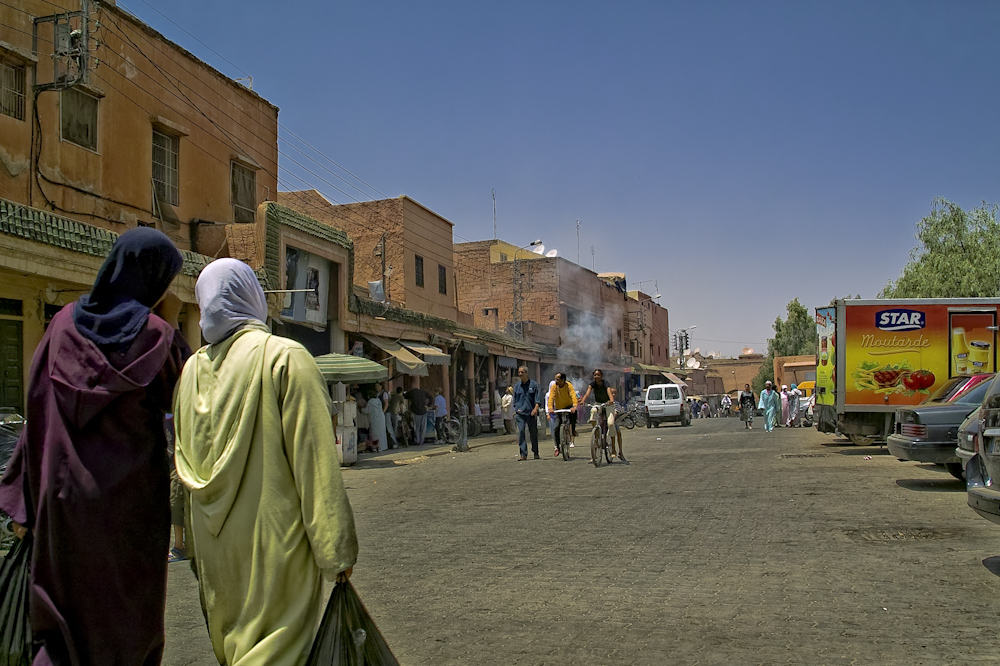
<point>714,354</point>
<point>551,253</point>
<point>697,349</point>
<point>748,350</point>
<point>538,249</point>
<point>679,360</point>
<point>692,363</point>
<point>697,364</point>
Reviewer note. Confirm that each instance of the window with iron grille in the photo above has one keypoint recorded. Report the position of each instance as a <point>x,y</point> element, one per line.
<point>78,118</point>
<point>418,265</point>
<point>12,78</point>
<point>442,280</point>
<point>165,148</point>
<point>243,192</point>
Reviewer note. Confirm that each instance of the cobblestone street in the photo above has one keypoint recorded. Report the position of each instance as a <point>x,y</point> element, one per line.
<point>715,545</point>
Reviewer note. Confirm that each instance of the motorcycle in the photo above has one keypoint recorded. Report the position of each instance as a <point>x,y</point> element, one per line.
<point>11,425</point>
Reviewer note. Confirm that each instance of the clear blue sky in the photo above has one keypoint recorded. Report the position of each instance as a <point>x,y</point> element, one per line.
<point>739,153</point>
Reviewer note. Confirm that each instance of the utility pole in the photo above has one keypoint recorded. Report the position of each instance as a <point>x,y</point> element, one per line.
<point>70,47</point>
<point>578,242</point>
<point>593,259</point>
<point>494,213</point>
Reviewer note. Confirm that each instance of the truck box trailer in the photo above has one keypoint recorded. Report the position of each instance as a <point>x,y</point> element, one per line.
<point>875,356</point>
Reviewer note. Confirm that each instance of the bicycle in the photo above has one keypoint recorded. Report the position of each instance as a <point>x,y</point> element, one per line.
<point>565,430</point>
<point>599,437</point>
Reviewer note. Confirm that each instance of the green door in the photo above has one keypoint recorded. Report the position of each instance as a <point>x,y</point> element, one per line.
<point>11,371</point>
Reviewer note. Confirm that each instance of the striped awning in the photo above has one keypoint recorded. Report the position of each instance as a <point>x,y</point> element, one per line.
<point>430,355</point>
<point>350,369</point>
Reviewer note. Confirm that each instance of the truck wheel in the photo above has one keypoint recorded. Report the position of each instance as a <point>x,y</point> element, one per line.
<point>955,469</point>
<point>861,440</point>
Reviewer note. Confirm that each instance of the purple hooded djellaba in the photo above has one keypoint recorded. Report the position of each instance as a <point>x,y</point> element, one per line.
<point>89,475</point>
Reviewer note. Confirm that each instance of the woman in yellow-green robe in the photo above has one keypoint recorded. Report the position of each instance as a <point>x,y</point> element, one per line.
<point>255,447</point>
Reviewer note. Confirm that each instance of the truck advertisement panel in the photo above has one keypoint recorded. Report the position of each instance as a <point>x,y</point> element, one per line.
<point>899,354</point>
<point>826,356</point>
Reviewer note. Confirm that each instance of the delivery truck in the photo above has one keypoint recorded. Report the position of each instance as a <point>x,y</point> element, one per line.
<point>875,356</point>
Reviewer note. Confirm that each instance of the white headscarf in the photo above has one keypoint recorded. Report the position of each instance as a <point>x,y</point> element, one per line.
<point>229,295</point>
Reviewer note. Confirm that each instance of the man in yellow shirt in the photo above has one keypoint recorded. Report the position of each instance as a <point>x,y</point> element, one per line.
<point>562,396</point>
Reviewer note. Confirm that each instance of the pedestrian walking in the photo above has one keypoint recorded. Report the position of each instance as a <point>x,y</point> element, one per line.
<point>178,498</point>
<point>89,475</point>
<point>269,514</point>
<point>527,402</point>
<point>417,398</point>
<point>794,395</point>
<point>507,410</point>
<point>770,402</point>
<point>784,405</point>
<point>748,405</point>
<point>376,423</point>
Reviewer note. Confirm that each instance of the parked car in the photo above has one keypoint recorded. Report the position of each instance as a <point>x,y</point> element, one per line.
<point>968,438</point>
<point>666,402</point>
<point>928,432</point>
<point>982,472</point>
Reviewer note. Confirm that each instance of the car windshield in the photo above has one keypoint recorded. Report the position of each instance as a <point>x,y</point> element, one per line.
<point>975,395</point>
<point>947,390</point>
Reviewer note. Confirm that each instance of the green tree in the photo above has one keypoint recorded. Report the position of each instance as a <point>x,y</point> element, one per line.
<point>955,256</point>
<point>792,336</point>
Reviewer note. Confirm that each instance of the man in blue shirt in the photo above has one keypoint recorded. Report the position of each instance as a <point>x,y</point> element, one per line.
<point>527,400</point>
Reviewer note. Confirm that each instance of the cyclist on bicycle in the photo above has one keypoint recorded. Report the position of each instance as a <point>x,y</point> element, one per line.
<point>562,396</point>
<point>604,397</point>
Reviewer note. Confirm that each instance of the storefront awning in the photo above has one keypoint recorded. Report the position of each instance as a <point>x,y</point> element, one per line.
<point>507,362</point>
<point>674,379</point>
<point>431,355</point>
<point>476,347</point>
<point>350,369</point>
<point>406,362</point>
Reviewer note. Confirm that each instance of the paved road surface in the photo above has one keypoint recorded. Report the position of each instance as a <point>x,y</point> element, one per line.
<point>715,545</point>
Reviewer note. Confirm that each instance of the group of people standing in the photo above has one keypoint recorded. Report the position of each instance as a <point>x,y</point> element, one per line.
<point>90,478</point>
<point>783,405</point>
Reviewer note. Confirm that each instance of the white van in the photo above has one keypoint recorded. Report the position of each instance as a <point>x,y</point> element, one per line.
<point>666,402</point>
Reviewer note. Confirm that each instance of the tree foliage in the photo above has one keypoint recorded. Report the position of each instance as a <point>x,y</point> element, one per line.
<point>793,336</point>
<point>956,255</point>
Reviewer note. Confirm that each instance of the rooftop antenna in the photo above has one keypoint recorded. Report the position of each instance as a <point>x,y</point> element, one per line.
<point>593,259</point>
<point>578,242</point>
<point>494,213</point>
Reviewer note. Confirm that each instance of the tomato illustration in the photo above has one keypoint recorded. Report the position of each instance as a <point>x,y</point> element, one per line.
<point>910,383</point>
<point>920,379</point>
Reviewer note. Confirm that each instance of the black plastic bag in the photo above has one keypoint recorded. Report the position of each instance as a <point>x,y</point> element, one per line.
<point>15,630</point>
<point>347,635</point>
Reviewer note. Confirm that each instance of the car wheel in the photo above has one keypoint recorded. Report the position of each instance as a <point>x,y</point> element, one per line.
<point>656,424</point>
<point>955,469</point>
<point>649,424</point>
<point>861,440</point>
<point>685,421</point>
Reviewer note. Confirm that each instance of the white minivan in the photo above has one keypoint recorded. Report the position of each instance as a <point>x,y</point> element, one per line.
<point>666,402</point>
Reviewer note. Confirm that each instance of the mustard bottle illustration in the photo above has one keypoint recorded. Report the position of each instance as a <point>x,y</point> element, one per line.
<point>960,352</point>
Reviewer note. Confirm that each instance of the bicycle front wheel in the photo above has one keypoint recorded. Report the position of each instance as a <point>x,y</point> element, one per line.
<point>607,451</point>
<point>564,435</point>
<point>452,431</point>
<point>595,447</point>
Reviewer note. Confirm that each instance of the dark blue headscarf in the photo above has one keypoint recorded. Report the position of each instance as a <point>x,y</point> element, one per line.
<point>139,269</point>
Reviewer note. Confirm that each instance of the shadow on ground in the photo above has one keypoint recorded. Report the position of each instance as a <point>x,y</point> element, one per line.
<point>949,485</point>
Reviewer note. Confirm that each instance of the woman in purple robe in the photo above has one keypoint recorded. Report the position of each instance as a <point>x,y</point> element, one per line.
<point>89,475</point>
